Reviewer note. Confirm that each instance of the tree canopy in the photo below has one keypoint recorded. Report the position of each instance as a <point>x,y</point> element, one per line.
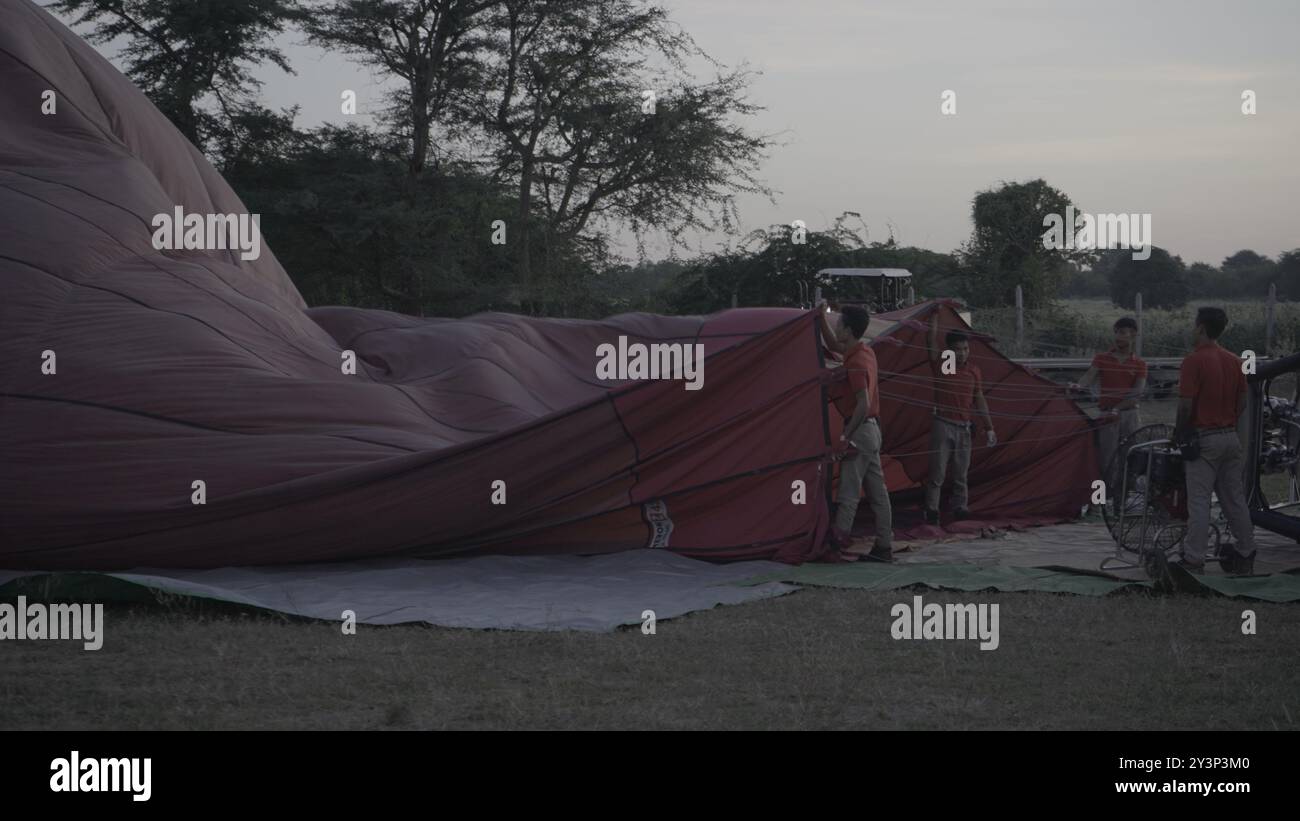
<point>1007,247</point>
<point>194,60</point>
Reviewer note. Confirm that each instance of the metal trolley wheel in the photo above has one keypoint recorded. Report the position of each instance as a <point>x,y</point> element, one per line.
<point>1146,502</point>
<point>1135,491</point>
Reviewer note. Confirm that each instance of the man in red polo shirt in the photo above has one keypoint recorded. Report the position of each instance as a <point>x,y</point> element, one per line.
<point>860,406</point>
<point>1211,398</point>
<point>958,392</point>
<point>1123,379</point>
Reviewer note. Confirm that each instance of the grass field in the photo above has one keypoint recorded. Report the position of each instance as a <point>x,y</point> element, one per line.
<point>815,659</point>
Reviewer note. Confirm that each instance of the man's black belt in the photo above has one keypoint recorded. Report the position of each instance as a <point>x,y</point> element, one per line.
<point>952,421</point>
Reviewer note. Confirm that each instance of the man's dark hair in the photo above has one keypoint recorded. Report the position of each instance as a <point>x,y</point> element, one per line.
<point>856,319</point>
<point>1126,322</point>
<point>1214,320</point>
<point>953,337</point>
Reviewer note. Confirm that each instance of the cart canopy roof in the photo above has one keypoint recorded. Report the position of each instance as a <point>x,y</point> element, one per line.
<point>888,273</point>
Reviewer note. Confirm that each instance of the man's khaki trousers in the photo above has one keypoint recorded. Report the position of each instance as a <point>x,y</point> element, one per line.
<point>1218,470</point>
<point>864,470</point>
<point>948,440</point>
<point>1111,435</point>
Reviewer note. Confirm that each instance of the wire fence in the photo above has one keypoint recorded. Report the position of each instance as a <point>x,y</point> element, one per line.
<point>1080,328</point>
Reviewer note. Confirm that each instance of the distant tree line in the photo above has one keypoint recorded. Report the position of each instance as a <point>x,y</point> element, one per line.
<point>521,136</point>
<point>1165,281</point>
<point>1006,250</point>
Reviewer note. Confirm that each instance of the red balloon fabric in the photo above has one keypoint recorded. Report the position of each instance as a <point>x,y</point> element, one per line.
<point>185,409</point>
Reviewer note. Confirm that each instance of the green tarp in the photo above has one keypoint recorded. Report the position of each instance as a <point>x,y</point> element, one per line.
<point>1276,587</point>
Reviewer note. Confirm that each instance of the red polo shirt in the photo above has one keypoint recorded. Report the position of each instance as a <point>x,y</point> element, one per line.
<point>954,393</point>
<point>1117,377</point>
<point>1211,377</point>
<point>860,365</point>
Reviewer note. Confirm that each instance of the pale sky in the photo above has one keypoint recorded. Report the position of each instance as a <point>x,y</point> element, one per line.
<point>1125,106</point>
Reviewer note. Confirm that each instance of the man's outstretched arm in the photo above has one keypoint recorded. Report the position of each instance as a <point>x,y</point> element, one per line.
<point>983,407</point>
<point>1087,378</point>
<point>1183,425</point>
<point>828,333</point>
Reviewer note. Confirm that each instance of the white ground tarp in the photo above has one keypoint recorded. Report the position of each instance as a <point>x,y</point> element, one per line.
<point>593,593</point>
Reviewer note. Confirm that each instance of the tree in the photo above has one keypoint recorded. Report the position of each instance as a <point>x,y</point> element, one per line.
<point>185,54</point>
<point>1199,277</point>
<point>1087,284</point>
<point>1288,274</point>
<point>1250,273</point>
<point>1007,247</point>
<point>565,112</point>
<point>1161,279</point>
<point>764,270</point>
<point>345,216</point>
<point>255,135</point>
<point>641,287</point>
<point>767,267</point>
<point>434,46</point>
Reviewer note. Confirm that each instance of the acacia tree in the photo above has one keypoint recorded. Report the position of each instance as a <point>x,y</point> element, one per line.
<point>1006,248</point>
<point>185,54</point>
<point>434,46</point>
<point>566,107</point>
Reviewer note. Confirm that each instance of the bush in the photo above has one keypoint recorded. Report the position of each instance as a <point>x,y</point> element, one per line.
<point>1090,284</point>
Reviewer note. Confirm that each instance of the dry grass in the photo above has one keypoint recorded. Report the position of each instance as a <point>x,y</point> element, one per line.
<point>816,659</point>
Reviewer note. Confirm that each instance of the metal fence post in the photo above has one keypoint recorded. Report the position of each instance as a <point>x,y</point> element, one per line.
<point>1137,301</point>
<point>1270,328</point>
<point>1020,320</point>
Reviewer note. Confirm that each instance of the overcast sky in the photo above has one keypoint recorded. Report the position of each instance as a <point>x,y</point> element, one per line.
<point>1125,106</point>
